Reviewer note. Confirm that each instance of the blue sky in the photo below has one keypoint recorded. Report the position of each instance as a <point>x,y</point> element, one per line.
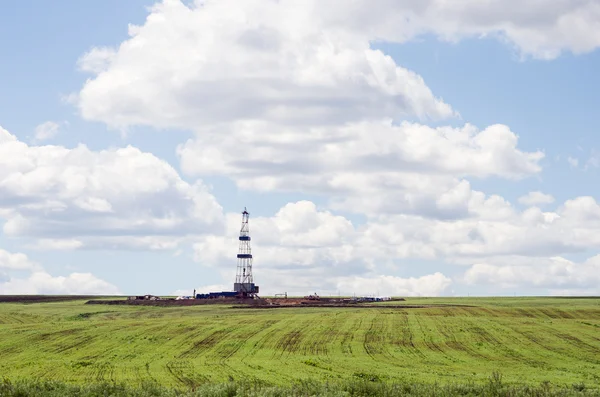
<point>322,224</point>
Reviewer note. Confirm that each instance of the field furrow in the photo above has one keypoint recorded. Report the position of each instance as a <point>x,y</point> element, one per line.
<point>527,339</point>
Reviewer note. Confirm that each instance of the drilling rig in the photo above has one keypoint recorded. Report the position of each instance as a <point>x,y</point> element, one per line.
<point>244,286</point>
<point>244,282</point>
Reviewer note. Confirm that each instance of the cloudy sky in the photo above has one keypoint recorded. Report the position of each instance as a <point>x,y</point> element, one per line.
<point>390,147</point>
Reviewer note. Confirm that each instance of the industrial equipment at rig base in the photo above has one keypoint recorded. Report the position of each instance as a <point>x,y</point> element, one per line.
<point>244,286</point>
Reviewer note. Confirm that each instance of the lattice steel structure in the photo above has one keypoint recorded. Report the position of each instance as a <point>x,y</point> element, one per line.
<point>244,282</point>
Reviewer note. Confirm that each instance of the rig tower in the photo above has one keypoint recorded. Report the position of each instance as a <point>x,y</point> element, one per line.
<point>244,282</point>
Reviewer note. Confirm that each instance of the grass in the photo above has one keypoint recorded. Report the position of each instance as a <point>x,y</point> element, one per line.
<point>530,341</point>
<point>494,387</point>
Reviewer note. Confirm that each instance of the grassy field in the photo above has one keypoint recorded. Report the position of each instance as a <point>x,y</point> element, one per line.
<point>527,340</point>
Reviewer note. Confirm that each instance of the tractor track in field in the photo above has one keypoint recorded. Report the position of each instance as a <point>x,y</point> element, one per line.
<point>266,340</point>
<point>148,373</point>
<point>432,345</point>
<point>533,338</point>
<point>557,314</point>
<point>526,340</point>
<point>574,341</point>
<point>207,343</point>
<point>319,343</point>
<point>596,327</point>
<point>502,347</point>
<point>326,338</point>
<point>65,347</point>
<point>348,338</point>
<point>189,378</point>
<point>489,312</point>
<point>104,371</point>
<point>407,337</point>
<point>526,313</point>
<point>454,344</point>
<point>181,337</point>
<point>262,342</point>
<point>375,341</point>
<point>290,342</point>
<point>226,352</point>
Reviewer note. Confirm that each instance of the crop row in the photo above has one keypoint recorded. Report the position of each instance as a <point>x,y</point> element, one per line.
<point>191,347</point>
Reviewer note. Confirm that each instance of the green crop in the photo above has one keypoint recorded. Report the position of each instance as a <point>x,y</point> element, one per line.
<point>529,341</point>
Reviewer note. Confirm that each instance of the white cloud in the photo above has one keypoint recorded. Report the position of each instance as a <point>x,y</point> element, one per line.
<point>41,282</point>
<point>308,99</point>
<point>536,198</point>
<point>18,261</point>
<point>316,110</point>
<point>96,60</point>
<point>82,197</point>
<point>366,147</point>
<point>593,161</point>
<point>554,273</point>
<point>429,285</point>
<point>46,130</point>
<point>297,250</point>
<point>534,27</point>
<point>303,249</point>
<point>282,64</point>
<point>573,162</point>
<point>58,244</point>
<point>573,227</point>
<point>364,167</point>
<point>297,235</point>
<point>303,62</point>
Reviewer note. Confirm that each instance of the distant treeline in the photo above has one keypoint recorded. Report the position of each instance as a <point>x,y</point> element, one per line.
<point>370,386</point>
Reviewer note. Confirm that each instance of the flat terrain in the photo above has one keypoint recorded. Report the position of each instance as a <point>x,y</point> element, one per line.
<point>528,340</point>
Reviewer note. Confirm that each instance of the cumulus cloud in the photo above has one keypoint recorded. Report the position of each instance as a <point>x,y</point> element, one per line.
<point>366,147</point>
<point>303,61</point>
<point>554,274</point>
<point>536,198</point>
<point>366,167</point>
<point>38,281</point>
<point>593,161</point>
<point>535,28</point>
<point>282,64</point>
<point>302,249</point>
<point>572,227</point>
<point>46,130</point>
<point>68,198</point>
<point>313,105</point>
<point>314,236</point>
<point>573,162</point>
<point>18,261</point>
<point>317,110</point>
<point>42,283</point>
<point>429,285</point>
<point>96,60</point>
<point>58,244</point>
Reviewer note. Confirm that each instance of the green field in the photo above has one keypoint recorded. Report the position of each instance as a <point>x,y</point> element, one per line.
<point>527,340</point>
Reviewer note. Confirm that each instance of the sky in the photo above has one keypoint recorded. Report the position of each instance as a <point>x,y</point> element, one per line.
<point>427,148</point>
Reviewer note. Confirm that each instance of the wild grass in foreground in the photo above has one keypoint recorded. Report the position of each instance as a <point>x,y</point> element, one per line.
<point>494,387</point>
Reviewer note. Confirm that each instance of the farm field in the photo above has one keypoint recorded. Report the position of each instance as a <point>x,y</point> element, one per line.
<point>527,340</point>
